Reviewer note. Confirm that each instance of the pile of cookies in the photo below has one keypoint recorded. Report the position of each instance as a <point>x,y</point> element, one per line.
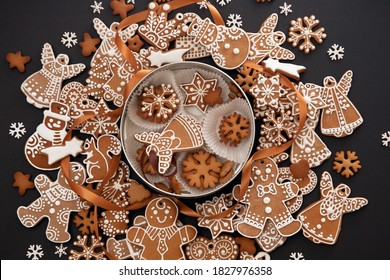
<point>187,129</point>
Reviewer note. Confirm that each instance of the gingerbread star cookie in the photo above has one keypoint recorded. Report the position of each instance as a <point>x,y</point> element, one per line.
<point>16,60</point>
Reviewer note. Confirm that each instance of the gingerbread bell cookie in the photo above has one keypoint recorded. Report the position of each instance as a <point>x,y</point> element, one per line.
<point>162,239</point>
<point>321,221</point>
<point>56,202</point>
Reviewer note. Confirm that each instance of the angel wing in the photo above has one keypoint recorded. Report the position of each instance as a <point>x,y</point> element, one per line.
<point>345,83</point>
<point>73,70</point>
<point>47,55</point>
<point>128,32</point>
<point>100,28</point>
<point>147,137</point>
<point>269,24</point>
<point>354,204</point>
<point>281,53</point>
<point>326,184</point>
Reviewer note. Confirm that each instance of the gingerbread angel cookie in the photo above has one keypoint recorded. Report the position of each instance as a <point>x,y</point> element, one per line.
<point>56,203</point>
<point>182,134</point>
<point>47,146</point>
<point>322,220</point>
<point>266,43</point>
<point>341,117</point>
<point>44,86</point>
<point>266,199</point>
<point>162,239</point>
<point>308,145</point>
<point>228,46</point>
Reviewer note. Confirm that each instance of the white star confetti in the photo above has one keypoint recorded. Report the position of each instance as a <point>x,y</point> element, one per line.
<point>97,7</point>
<point>17,130</point>
<point>61,250</point>
<point>285,9</point>
<point>336,52</point>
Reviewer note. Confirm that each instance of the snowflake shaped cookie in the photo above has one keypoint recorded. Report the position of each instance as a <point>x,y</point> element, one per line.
<point>346,166</point>
<point>336,52</point>
<point>302,30</point>
<point>17,130</point>
<point>69,39</point>
<point>234,20</point>
<point>35,252</point>
<point>386,139</point>
<point>267,91</point>
<point>278,127</point>
<point>88,252</point>
<point>197,90</point>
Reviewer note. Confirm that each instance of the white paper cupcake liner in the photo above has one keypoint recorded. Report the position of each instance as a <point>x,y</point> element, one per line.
<point>211,125</point>
<point>163,77</point>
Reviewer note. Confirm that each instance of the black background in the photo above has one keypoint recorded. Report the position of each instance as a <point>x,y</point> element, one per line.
<point>361,27</point>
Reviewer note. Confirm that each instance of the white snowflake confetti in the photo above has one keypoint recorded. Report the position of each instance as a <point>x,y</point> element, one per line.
<point>285,9</point>
<point>131,2</point>
<point>34,252</point>
<point>297,256</point>
<point>61,250</point>
<point>69,39</point>
<point>234,20</point>
<point>17,130</point>
<point>97,7</point>
<point>386,139</point>
<point>223,2</point>
<point>336,52</point>
<point>203,4</point>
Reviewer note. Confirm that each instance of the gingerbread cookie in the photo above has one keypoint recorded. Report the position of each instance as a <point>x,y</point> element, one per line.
<point>162,239</point>
<point>98,156</point>
<point>157,104</point>
<point>195,50</point>
<point>56,203</point>
<point>246,245</point>
<point>233,129</point>
<point>159,58</point>
<point>215,207</point>
<point>341,117</point>
<point>114,222</point>
<point>346,165</point>
<point>88,46</point>
<point>201,170</point>
<point>144,162</point>
<point>198,89</point>
<point>266,199</point>
<point>119,7</point>
<point>229,47</point>
<point>261,256</point>
<point>270,238</point>
<point>182,134</point>
<point>322,219</point>
<point>22,181</point>
<point>16,60</point>
<point>223,247</point>
<point>46,147</point>
<point>122,249</point>
<point>44,86</point>
<point>267,42</point>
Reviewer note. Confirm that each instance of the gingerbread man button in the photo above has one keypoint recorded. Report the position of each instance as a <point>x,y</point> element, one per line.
<point>162,239</point>
<point>56,202</point>
<point>266,200</point>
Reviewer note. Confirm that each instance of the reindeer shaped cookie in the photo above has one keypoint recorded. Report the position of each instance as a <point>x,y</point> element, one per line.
<point>266,200</point>
<point>56,203</point>
<point>162,239</point>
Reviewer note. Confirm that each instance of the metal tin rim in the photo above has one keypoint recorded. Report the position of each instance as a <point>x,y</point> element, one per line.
<point>178,66</point>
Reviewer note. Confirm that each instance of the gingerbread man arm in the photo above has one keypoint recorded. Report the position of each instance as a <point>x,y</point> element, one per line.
<point>136,235</point>
<point>42,183</point>
<point>73,70</point>
<point>291,190</point>
<point>47,55</point>
<point>187,234</point>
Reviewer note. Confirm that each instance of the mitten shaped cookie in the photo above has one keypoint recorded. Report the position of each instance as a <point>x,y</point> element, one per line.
<point>162,239</point>
<point>266,200</point>
<point>56,203</point>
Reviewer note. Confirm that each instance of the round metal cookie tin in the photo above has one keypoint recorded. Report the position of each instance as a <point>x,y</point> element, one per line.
<point>128,128</point>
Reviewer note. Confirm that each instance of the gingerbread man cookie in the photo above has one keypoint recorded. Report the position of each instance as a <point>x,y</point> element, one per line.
<point>56,203</point>
<point>322,220</point>
<point>44,86</point>
<point>266,199</point>
<point>162,239</point>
